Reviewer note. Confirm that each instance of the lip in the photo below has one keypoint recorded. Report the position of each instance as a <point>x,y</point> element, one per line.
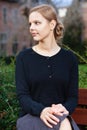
<point>34,34</point>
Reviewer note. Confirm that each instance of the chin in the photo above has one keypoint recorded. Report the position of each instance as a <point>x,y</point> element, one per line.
<point>37,39</point>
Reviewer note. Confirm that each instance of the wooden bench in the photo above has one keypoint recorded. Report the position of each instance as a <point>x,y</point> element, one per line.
<point>80,114</point>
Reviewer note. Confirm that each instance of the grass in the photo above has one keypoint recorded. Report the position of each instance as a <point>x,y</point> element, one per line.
<point>83,76</point>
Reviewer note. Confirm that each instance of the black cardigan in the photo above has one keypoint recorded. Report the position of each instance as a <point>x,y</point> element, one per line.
<point>42,81</point>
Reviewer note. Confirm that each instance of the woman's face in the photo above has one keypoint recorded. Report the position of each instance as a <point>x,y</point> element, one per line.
<point>39,26</point>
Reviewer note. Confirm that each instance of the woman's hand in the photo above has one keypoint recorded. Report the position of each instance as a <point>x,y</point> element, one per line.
<point>59,110</point>
<point>48,118</point>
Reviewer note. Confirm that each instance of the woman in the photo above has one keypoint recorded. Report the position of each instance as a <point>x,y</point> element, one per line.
<point>46,76</point>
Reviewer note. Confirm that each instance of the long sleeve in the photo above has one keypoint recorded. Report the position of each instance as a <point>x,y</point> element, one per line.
<point>72,97</point>
<point>27,104</point>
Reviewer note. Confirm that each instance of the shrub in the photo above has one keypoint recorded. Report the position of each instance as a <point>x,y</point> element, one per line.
<point>8,101</point>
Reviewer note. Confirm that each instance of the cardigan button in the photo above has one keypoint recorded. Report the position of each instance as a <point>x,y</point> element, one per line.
<point>50,76</point>
<point>48,66</point>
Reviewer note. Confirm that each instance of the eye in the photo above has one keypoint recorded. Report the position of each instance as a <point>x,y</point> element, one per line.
<point>37,22</point>
<point>29,24</point>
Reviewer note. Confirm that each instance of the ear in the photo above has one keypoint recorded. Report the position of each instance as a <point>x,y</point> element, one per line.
<point>52,24</point>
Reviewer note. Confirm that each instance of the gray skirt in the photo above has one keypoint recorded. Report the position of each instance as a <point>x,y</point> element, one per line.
<point>29,122</point>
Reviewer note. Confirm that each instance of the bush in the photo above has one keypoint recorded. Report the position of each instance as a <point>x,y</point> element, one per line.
<point>72,39</point>
<point>7,60</point>
<point>8,101</point>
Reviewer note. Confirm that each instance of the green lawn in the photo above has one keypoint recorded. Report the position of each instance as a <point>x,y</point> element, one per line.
<point>83,76</point>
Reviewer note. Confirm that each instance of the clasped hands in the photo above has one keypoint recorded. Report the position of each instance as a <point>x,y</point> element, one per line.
<point>49,115</point>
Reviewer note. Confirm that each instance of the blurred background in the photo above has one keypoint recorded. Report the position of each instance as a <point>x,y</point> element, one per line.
<point>14,37</point>
<point>14,33</point>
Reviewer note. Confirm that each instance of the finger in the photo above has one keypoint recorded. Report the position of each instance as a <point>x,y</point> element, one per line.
<point>54,118</point>
<point>53,105</point>
<point>61,113</point>
<point>47,123</point>
<point>59,109</point>
<point>63,110</point>
<point>51,121</point>
<point>54,109</point>
<point>58,113</point>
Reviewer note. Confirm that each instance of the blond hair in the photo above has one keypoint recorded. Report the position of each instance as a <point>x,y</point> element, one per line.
<point>49,13</point>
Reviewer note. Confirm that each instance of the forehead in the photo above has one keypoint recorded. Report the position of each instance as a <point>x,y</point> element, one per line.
<point>35,16</point>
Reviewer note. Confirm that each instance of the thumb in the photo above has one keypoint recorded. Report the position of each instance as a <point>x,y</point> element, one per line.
<point>53,105</point>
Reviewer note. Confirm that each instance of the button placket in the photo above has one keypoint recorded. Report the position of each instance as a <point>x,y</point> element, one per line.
<point>49,68</point>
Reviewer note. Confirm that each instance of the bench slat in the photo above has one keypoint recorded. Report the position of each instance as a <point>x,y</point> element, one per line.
<point>80,113</point>
<point>82,97</point>
<point>80,116</point>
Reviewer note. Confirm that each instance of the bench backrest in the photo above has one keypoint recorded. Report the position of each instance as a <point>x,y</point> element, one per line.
<point>80,114</point>
<point>82,97</point>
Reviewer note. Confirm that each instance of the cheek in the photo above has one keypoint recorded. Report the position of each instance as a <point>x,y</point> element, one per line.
<point>44,29</point>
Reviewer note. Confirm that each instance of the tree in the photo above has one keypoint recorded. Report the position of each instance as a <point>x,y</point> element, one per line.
<point>73,29</point>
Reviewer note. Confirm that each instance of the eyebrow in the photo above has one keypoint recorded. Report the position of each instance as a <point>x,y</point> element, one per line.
<point>36,21</point>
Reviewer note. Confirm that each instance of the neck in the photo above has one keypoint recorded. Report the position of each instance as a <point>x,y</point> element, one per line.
<point>48,44</point>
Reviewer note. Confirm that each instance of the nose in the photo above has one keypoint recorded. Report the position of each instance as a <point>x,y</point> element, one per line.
<point>32,27</point>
